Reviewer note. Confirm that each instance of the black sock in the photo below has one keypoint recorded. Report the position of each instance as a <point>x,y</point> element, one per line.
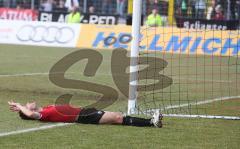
<point>135,121</point>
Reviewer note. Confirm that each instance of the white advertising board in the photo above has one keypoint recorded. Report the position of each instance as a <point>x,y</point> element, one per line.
<point>39,33</point>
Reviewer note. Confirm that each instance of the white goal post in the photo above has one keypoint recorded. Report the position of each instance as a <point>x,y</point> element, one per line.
<point>136,25</point>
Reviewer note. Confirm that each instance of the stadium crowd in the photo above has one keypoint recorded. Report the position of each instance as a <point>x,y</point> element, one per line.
<point>97,6</point>
<point>209,9</point>
<point>152,9</point>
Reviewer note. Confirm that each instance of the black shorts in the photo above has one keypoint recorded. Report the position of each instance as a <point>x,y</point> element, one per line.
<point>90,116</point>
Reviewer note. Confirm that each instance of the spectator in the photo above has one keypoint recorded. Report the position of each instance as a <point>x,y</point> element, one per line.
<point>46,6</point>
<point>71,4</point>
<point>211,11</point>
<point>91,9</point>
<point>18,7</point>
<point>233,9</point>
<point>154,19</point>
<point>144,7</point>
<point>238,9</point>
<point>96,4</point>
<point>6,3</point>
<point>184,8</point>
<point>13,4</point>
<point>153,4</point>
<point>219,13</point>
<point>26,4</point>
<point>74,16</point>
<point>200,7</point>
<point>10,3</point>
<point>163,7</point>
<point>225,7</point>
<point>108,6</point>
<point>193,11</point>
<point>61,6</point>
<point>120,7</point>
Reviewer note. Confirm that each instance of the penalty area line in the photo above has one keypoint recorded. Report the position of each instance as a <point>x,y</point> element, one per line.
<point>34,129</point>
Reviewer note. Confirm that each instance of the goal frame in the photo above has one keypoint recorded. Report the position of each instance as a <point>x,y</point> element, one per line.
<point>134,68</point>
<point>136,26</point>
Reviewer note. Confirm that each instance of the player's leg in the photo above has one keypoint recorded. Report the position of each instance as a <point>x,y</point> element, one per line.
<point>111,118</point>
<point>118,118</point>
<point>94,116</point>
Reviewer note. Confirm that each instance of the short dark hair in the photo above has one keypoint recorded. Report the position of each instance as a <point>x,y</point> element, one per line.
<point>24,117</point>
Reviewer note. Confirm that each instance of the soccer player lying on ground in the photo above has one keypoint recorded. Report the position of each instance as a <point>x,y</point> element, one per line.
<point>69,114</point>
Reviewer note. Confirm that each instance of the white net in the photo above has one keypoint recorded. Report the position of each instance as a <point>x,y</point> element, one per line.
<point>203,63</point>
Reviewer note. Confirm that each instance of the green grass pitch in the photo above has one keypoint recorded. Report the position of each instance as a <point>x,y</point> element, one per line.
<point>211,81</point>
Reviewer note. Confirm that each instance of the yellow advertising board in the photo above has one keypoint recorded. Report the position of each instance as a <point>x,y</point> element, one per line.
<point>164,39</point>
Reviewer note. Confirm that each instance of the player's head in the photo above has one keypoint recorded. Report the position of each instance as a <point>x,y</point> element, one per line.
<point>23,116</point>
<point>32,106</point>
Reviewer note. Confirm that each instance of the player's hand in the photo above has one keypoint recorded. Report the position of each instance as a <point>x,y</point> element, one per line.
<point>14,106</point>
<point>14,109</point>
<point>11,103</point>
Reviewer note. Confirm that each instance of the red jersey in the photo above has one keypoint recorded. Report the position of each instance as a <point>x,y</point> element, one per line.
<point>59,113</point>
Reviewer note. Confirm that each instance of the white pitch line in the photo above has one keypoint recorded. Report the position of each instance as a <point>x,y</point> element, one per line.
<point>196,103</point>
<point>201,102</point>
<point>24,74</point>
<point>41,74</point>
<point>47,73</point>
<point>203,116</point>
<point>200,79</point>
<point>34,129</point>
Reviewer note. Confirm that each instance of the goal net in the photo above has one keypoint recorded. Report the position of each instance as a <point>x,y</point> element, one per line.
<point>188,70</point>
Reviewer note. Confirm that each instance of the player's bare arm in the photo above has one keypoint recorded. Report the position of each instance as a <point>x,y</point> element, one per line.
<point>17,107</point>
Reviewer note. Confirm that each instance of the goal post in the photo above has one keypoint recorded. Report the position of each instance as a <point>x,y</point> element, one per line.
<point>203,64</point>
<point>136,25</point>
